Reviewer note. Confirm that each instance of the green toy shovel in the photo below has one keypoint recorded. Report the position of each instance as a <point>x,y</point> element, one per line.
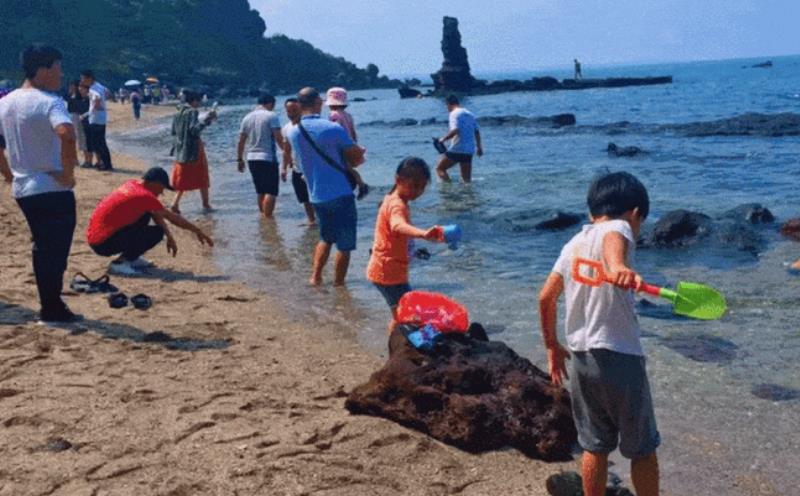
<point>690,299</point>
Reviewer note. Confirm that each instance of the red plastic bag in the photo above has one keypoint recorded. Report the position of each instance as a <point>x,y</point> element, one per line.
<point>421,307</point>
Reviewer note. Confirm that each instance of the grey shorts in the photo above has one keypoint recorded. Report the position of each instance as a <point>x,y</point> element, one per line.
<point>611,403</point>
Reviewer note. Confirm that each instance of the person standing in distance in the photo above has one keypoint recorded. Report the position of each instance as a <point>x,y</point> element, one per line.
<point>37,131</point>
<point>298,182</point>
<point>261,132</point>
<point>325,151</point>
<point>98,118</point>
<point>465,141</point>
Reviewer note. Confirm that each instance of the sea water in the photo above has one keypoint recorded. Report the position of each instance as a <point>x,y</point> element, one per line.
<point>725,391</point>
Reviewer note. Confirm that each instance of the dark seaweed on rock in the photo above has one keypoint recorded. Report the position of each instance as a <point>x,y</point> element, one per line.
<point>474,394</point>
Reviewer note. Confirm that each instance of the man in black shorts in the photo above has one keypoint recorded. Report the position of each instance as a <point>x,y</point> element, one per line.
<point>298,181</point>
<point>466,141</point>
<point>260,132</point>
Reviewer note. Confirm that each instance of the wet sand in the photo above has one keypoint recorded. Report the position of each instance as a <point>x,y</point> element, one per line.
<point>214,390</point>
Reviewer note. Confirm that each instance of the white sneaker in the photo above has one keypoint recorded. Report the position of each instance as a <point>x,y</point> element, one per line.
<point>141,263</point>
<point>123,268</point>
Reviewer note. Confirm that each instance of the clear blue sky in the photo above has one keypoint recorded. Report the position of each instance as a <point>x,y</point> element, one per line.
<point>402,37</point>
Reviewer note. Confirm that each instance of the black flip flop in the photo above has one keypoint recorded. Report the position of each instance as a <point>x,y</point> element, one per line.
<point>82,284</point>
<point>117,300</point>
<point>141,301</point>
<point>103,284</point>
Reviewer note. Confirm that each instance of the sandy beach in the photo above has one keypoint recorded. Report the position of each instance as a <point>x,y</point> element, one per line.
<point>214,390</point>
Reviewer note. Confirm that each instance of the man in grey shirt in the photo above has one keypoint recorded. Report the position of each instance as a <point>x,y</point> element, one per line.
<point>38,134</point>
<point>260,134</point>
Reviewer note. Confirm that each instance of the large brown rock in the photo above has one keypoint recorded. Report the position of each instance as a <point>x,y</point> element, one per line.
<point>474,394</point>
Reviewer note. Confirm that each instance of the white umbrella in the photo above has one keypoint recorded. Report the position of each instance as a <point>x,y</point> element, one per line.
<point>133,82</point>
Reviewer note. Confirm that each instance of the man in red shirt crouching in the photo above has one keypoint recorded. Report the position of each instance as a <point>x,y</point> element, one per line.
<point>120,224</point>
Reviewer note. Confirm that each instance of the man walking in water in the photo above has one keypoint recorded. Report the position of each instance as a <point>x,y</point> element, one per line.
<point>578,74</point>
<point>324,151</point>
<point>261,132</point>
<point>37,130</point>
<point>465,141</point>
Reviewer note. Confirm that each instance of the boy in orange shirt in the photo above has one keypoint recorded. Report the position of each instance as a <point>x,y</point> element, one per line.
<point>388,264</point>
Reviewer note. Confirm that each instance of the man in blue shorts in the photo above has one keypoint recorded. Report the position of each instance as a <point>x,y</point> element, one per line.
<point>466,141</point>
<point>324,151</point>
<point>260,134</point>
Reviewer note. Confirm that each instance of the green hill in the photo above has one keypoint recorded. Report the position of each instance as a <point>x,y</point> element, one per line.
<point>213,43</point>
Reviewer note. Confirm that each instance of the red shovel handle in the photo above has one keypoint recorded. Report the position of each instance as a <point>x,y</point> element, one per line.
<point>596,265</point>
<point>600,276</point>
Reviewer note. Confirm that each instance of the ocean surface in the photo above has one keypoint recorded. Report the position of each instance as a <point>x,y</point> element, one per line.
<point>727,393</point>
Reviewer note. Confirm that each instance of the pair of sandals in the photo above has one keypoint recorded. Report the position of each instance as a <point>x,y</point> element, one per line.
<point>120,300</point>
<point>81,283</point>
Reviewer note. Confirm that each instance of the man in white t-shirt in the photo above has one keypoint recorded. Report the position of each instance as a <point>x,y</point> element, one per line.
<point>98,118</point>
<point>293,113</point>
<point>38,135</point>
<point>465,141</point>
<point>610,393</point>
<point>260,135</point>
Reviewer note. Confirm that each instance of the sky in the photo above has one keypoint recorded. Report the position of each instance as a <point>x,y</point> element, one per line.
<point>403,37</point>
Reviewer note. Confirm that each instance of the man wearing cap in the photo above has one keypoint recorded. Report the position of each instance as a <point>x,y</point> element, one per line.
<point>324,151</point>
<point>120,224</point>
<point>260,133</point>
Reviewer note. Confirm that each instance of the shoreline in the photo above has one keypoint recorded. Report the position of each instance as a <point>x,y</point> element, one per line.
<point>110,408</point>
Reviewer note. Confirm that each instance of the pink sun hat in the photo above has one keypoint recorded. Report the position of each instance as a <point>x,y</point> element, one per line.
<point>336,96</point>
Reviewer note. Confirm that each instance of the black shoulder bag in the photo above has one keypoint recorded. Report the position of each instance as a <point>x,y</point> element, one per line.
<point>347,173</point>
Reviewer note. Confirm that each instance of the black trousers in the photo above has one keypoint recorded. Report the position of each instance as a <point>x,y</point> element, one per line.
<point>51,218</point>
<point>97,143</point>
<point>131,241</point>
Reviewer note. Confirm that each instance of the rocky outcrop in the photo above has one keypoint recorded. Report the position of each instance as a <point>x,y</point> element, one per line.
<point>623,151</point>
<point>763,65</point>
<point>736,228</point>
<point>454,76</point>
<point>474,394</point>
<point>679,228</point>
<point>559,220</point>
<point>750,124</point>
<point>554,121</point>
<point>406,92</point>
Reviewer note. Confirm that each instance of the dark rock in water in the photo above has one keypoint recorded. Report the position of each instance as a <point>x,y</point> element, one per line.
<point>561,220</point>
<point>647,308</point>
<point>679,228</point>
<point>156,337</point>
<point>740,235</point>
<point>702,348</point>
<point>753,213</point>
<point>403,122</point>
<point>428,122</point>
<point>546,83</point>
<point>625,151</point>
<point>775,392</point>
<point>476,395</point>
<point>454,76</point>
<point>750,124</point>
<point>582,84</point>
<point>571,484</point>
<point>515,120</point>
<point>406,92</point>
<point>763,65</point>
<point>563,120</point>
<point>358,99</point>
<point>791,229</point>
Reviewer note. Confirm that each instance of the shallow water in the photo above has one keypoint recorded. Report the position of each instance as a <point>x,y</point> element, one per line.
<point>725,391</point>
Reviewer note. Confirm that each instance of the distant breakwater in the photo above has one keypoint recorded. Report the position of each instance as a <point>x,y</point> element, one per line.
<point>749,124</point>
